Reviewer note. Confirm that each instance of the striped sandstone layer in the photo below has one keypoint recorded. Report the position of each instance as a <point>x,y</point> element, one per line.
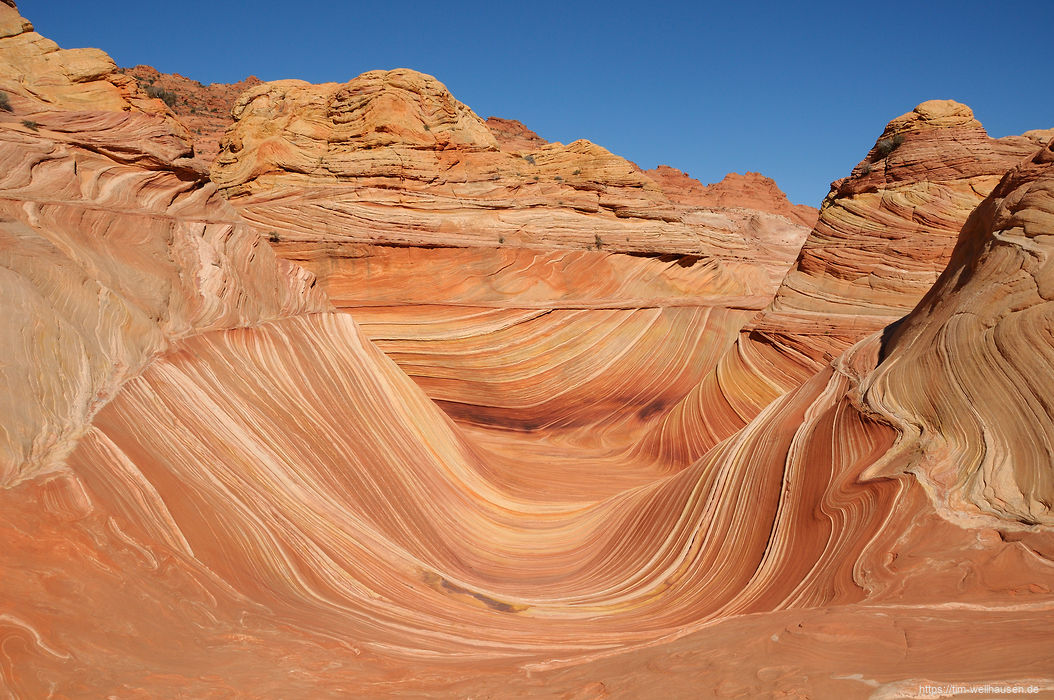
<point>552,294</point>
<point>883,236</point>
<point>113,245</point>
<point>266,505</point>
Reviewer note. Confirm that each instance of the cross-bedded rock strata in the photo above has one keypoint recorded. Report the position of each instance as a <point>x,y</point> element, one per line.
<point>474,434</point>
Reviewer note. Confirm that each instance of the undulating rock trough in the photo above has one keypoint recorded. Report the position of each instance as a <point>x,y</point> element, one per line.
<point>396,400</point>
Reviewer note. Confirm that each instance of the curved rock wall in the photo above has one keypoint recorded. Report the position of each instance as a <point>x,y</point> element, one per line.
<point>570,480</point>
<point>112,246</point>
<point>883,236</point>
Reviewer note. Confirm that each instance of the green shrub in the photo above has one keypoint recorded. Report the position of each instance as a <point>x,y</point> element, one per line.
<point>166,96</point>
<point>529,159</point>
<point>5,103</point>
<point>30,124</point>
<point>886,146</point>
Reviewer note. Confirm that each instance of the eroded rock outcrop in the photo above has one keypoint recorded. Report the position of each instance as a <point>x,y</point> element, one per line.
<point>966,379</point>
<point>501,278</point>
<point>399,130</point>
<point>204,109</point>
<point>79,97</point>
<point>514,136</point>
<point>259,501</point>
<point>887,231</point>
<point>883,236</point>
<point>749,191</point>
<point>113,246</point>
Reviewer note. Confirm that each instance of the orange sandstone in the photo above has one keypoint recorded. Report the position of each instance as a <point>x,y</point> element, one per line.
<point>216,484</point>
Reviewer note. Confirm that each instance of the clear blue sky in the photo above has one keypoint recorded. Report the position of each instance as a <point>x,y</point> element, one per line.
<point>796,90</point>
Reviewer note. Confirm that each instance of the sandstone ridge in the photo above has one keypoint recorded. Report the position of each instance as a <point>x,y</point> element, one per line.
<point>204,109</point>
<point>397,419</point>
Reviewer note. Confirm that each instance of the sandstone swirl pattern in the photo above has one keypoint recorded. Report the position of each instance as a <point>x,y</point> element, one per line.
<point>980,341</point>
<point>106,264</point>
<point>883,236</point>
<point>552,293</point>
<point>216,483</point>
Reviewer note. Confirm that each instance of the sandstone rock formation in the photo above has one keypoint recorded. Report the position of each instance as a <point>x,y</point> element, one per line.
<point>76,95</point>
<point>204,109</point>
<point>883,236</point>
<point>977,349</point>
<point>514,136</point>
<point>501,280</point>
<point>750,191</point>
<point>216,484</point>
<point>887,231</point>
<point>152,252</point>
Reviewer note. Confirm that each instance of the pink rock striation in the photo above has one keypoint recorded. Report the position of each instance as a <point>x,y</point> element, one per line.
<point>883,236</point>
<point>216,484</point>
<point>498,278</point>
<point>96,196</point>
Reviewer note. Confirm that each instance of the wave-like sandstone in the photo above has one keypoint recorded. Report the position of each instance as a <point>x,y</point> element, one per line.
<point>217,483</point>
<point>111,249</point>
<point>966,379</point>
<point>883,236</point>
<point>551,292</point>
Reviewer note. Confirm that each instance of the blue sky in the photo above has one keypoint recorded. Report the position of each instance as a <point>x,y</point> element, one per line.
<point>796,90</point>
